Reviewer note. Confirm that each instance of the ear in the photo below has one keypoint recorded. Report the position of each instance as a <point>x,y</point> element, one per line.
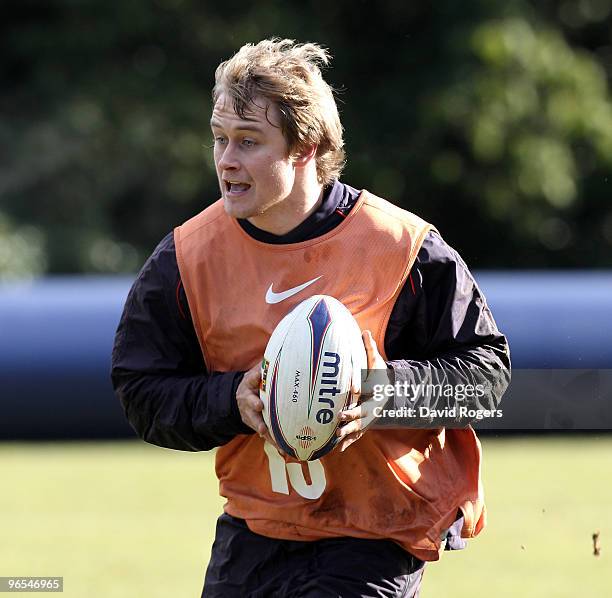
<point>306,155</point>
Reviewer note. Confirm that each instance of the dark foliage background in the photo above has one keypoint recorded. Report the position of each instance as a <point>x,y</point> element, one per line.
<point>491,119</point>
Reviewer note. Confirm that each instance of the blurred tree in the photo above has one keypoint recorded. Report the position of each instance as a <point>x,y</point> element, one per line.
<point>528,129</point>
<point>493,120</point>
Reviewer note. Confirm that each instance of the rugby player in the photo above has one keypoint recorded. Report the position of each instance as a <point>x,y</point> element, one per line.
<point>365,519</point>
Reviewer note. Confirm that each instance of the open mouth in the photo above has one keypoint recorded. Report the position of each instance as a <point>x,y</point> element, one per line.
<point>236,187</point>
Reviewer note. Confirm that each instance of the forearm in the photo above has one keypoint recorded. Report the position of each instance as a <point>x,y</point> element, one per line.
<point>443,343</point>
<point>471,377</point>
<point>190,413</point>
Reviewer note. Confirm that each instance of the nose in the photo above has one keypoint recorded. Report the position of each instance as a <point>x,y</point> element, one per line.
<point>228,159</point>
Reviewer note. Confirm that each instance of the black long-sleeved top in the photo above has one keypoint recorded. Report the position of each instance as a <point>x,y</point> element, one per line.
<point>439,324</point>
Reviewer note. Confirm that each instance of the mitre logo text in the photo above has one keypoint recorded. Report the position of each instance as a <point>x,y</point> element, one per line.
<point>329,386</point>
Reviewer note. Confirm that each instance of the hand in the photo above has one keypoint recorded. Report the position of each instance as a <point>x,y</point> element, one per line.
<point>251,406</point>
<point>355,420</point>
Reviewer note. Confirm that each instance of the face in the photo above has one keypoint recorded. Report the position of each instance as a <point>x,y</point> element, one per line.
<point>252,160</point>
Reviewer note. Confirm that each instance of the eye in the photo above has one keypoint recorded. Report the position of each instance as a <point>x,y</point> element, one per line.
<point>248,142</point>
<point>219,139</point>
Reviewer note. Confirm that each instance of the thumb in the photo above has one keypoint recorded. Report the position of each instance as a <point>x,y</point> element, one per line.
<point>370,347</point>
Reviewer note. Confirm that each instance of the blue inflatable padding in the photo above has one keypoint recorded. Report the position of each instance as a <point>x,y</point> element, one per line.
<point>553,319</point>
<point>56,337</point>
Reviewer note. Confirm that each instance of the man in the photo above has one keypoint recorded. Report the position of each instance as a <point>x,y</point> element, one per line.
<point>196,322</point>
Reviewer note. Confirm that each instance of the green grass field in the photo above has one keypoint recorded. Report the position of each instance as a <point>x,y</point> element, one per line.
<point>127,519</point>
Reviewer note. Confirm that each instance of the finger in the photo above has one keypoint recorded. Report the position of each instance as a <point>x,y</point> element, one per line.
<point>250,401</point>
<point>355,397</point>
<point>348,429</point>
<point>258,422</point>
<point>349,415</point>
<point>370,347</point>
<point>251,415</point>
<point>253,378</point>
<point>262,429</point>
<point>367,419</point>
<point>375,360</point>
<point>356,380</point>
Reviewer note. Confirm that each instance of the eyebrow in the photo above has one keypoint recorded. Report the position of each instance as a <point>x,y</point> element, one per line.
<point>246,127</point>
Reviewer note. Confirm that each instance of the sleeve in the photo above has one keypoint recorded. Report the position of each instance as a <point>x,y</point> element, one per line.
<point>442,335</point>
<point>158,371</point>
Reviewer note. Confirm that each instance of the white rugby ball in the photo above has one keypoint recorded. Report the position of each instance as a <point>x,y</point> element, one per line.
<point>313,358</point>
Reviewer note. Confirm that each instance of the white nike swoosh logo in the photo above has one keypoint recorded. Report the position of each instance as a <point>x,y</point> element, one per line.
<point>272,297</point>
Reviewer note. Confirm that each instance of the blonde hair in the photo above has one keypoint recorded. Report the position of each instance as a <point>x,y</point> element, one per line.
<point>289,75</point>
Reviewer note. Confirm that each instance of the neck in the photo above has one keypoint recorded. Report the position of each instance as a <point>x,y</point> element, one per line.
<point>289,213</point>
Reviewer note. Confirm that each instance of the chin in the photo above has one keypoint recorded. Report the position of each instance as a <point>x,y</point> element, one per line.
<point>237,208</point>
<point>246,207</point>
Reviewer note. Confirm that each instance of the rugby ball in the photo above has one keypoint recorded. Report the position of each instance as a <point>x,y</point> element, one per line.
<point>313,358</point>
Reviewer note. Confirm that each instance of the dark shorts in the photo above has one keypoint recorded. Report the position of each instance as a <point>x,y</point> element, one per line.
<point>244,564</point>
